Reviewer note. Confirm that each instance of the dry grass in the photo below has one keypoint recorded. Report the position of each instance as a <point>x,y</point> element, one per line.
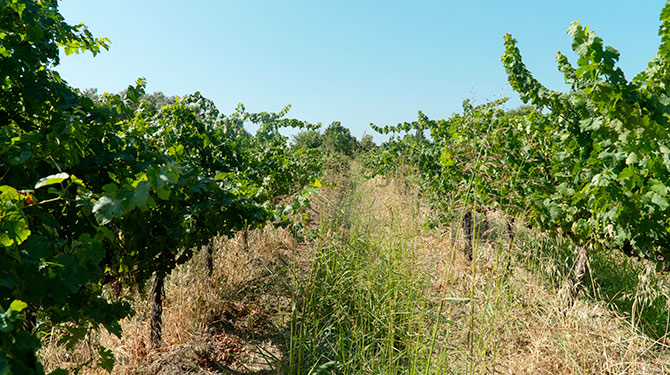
<point>232,321</point>
<point>506,319</point>
<point>492,315</point>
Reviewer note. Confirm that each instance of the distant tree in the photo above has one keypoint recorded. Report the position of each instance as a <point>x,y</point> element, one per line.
<point>158,100</point>
<point>366,143</point>
<point>307,139</point>
<point>91,93</point>
<point>339,139</point>
<point>520,111</point>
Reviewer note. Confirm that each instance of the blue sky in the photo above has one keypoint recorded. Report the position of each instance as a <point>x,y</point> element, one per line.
<point>351,61</point>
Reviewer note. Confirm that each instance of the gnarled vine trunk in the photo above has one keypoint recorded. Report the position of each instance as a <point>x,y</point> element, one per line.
<point>209,259</point>
<point>245,238</point>
<point>509,226</point>
<point>156,299</point>
<point>468,233</point>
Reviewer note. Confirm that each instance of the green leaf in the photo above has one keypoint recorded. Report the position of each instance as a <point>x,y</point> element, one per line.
<point>22,157</point>
<point>110,188</point>
<point>13,229</point>
<point>107,209</point>
<point>18,305</point>
<point>106,359</point>
<point>51,180</point>
<point>626,173</point>
<point>141,193</point>
<point>565,190</point>
<point>163,193</point>
<point>445,158</point>
<point>77,181</point>
<point>8,193</point>
<point>224,175</point>
<point>581,228</point>
<point>591,124</point>
<point>658,187</point>
<point>632,158</point>
<point>17,7</point>
<point>161,179</point>
<point>586,69</point>
<point>659,200</point>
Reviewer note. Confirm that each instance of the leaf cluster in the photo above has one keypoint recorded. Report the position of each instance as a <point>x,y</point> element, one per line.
<point>113,188</point>
<point>592,164</point>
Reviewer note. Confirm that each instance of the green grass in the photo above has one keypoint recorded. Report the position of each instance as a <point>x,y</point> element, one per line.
<point>361,310</point>
<point>388,294</point>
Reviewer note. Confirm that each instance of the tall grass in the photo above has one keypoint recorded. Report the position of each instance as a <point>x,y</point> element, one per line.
<point>362,309</point>
<point>388,295</point>
<point>628,286</point>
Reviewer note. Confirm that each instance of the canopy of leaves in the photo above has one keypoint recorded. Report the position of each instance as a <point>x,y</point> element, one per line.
<point>337,138</point>
<point>592,164</point>
<point>307,139</point>
<point>95,189</point>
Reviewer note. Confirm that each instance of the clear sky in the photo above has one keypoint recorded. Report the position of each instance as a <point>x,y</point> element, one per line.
<point>351,61</point>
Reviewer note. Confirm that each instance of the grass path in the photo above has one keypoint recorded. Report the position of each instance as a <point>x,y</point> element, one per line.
<point>387,295</point>
<point>375,291</point>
